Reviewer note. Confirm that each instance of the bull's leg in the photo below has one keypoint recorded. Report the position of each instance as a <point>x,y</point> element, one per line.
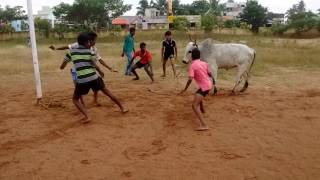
<point>214,70</point>
<point>240,76</point>
<point>246,85</point>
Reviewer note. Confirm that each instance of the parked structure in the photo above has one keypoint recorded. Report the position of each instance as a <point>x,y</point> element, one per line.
<point>233,9</point>
<point>46,13</point>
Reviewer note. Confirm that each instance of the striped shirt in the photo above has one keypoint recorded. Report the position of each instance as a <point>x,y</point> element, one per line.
<point>84,64</point>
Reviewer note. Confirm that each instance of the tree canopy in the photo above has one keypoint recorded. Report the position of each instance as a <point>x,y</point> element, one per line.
<point>88,12</point>
<point>254,14</point>
<point>12,13</point>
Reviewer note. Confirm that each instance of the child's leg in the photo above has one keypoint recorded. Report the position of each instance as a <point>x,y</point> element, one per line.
<point>164,67</point>
<point>128,68</point>
<point>114,99</point>
<point>196,108</point>
<point>173,67</point>
<point>202,107</point>
<point>146,68</point>
<point>95,98</point>
<point>81,108</point>
<point>133,70</point>
<point>82,101</point>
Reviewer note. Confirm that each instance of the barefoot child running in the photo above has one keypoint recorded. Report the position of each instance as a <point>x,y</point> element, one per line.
<point>200,72</point>
<point>168,52</point>
<point>87,77</point>
<point>144,62</point>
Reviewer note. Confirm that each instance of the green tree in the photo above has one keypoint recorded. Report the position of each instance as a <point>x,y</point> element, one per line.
<point>199,7</point>
<point>297,11</point>
<point>98,13</point>
<point>181,23</point>
<point>208,22</point>
<point>215,8</point>
<point>143,5</point>
<point>12,13</point>
<point>232,23</point>
<point>161,5</point>
<point>300,19</point>
<point>42,26</point>
<point>254,14</point>
<point>61,11</point>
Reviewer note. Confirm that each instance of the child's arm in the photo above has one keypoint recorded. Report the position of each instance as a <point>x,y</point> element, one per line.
<point>66,60</point>
<point>59,48</point>
<point>162,52</point>
<point>176,51</point>
<point>63,64</point>
<point>187,85</point>
<point>98,69</point>
<point>106,65</point>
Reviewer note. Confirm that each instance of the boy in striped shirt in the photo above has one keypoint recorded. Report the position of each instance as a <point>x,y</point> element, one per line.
<point>87,77</point>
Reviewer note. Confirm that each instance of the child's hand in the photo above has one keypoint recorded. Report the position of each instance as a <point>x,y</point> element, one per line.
<point>52,47</point>
<point>101,74</point>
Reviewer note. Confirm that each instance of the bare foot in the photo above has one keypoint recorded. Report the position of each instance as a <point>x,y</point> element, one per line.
<point>135,79</point>
<point>163,76</point>
<point>124,111</point>
<point>85,120</point>
<point>202,128</point>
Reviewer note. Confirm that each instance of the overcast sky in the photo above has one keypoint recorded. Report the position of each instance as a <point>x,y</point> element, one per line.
<point>278,6</point>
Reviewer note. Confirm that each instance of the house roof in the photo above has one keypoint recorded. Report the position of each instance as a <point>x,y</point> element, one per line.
<point>120,21</point>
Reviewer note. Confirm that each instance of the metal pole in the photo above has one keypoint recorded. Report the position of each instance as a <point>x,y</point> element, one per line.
<point>34,51</point>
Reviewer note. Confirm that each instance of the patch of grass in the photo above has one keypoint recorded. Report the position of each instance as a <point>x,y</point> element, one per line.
<point>271,52</point>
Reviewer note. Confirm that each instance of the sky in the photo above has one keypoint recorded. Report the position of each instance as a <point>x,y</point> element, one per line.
<point>277,6</point>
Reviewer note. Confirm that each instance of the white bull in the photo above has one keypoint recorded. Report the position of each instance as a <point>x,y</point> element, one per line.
<point>225,56</point>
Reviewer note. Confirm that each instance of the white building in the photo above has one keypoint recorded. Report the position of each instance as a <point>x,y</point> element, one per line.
<point>233,9</point>
<point>46,13</point>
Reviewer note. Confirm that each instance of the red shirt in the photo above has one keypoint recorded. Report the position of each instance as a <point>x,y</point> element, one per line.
<point>144,58</point>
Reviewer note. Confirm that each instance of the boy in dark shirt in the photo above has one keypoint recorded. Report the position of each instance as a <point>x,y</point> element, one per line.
<point>168,52</point>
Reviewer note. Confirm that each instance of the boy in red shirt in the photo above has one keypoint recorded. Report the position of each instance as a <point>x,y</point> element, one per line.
<point>200,72</point>
<point>144,62</point>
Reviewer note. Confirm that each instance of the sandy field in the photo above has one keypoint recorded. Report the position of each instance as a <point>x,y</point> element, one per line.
<point>270,132</point>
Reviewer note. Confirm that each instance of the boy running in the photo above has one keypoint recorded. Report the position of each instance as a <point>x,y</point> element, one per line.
<point>144,62</point>
<point>168,52</point>
<point>200,72</point>
<point>93,38</point>
<point>87,78</point>
<point>128,49</point>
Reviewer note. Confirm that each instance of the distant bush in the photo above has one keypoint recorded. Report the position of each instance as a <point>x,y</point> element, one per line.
<point>279,29</point>
<point>43,26</point>
<point>232,24</point>
<point>6,28</point>
<point>181,23</point>
<point>208,23</point>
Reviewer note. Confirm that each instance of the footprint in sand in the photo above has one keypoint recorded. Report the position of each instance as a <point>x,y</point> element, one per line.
<point>134,153</point>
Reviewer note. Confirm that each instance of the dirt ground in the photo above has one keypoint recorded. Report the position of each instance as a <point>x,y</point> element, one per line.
<point>269,132</point>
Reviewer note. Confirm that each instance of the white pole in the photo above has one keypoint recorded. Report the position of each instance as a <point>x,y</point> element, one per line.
<point>34,51</point>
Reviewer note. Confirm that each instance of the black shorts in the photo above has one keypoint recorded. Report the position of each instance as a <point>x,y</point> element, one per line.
<point>84,88</point>
<point>168,56</point>
<point>140,65</point>
<point>203,93</point>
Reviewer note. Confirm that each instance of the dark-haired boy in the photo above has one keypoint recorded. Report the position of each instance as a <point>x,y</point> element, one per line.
<point>93,38</point>
<point>200,72</point>
<point>87,77</point>
<point>144,62</point>
<point>169,52</point>
<point>128,49</point>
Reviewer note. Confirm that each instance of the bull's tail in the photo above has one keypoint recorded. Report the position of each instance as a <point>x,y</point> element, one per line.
<point>254,59</point>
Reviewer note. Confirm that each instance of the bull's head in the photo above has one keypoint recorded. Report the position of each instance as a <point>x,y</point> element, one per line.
<point>187,57</point>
